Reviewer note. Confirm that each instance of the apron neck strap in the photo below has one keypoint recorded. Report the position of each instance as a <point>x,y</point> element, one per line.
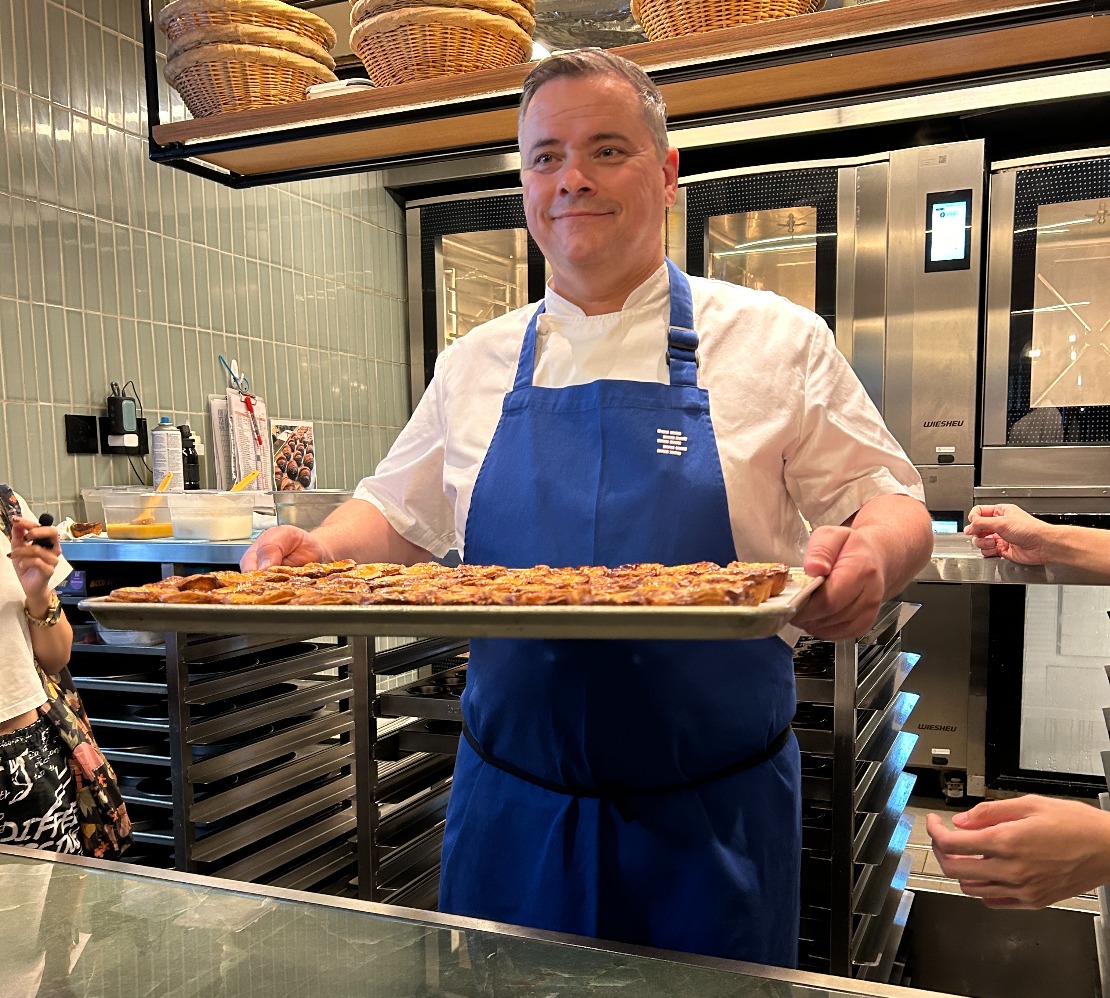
<point>682,341</point>
<point>526,365</point>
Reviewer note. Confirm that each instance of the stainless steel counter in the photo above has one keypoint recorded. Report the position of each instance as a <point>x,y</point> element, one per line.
<point>158,552</point>
<point>129,932</point>
<point>956,559</point>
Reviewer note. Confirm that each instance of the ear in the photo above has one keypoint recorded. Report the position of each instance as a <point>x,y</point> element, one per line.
<point>670,176</point>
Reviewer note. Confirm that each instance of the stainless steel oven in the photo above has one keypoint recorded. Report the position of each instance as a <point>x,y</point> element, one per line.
<point>887,250</point>
<point>1046,391</point>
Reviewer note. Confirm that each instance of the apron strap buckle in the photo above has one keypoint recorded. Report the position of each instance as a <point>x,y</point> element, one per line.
<point>682,346</point>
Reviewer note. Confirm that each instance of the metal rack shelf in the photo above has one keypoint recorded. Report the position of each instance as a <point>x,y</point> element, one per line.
<point>855,790</point>
<point>246,743</point>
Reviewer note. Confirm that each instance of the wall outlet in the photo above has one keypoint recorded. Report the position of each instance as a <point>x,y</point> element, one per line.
<point>81,434</point>
<point>142,447</point>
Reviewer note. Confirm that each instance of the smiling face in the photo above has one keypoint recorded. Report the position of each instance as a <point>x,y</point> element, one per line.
<point>596,189</point>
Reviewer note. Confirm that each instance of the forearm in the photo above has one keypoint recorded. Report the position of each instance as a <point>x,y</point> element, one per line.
<point>1099,867</point>
<point>359,530</point>
<point>901,530</point>
<point>51,646</point>
<point>1083,547</point>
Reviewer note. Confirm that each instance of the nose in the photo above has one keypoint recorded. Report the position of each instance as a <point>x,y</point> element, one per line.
<point>574,179</point>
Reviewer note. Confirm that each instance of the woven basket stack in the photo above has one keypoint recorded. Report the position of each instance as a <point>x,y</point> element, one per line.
<point>228,55</point>
<point>403,40</point>
<point>672,18</point>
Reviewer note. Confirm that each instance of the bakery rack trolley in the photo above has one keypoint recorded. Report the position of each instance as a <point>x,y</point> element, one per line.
<point>851,712</point>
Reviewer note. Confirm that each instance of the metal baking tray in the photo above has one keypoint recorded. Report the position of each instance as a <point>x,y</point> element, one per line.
<point>648,622</point>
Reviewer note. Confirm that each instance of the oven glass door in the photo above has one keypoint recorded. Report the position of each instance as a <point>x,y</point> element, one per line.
<point>768,231</point>
<point>1058,387</point>
<point>482,275</point>
<point>1064,683</point>
<point>477,262</point>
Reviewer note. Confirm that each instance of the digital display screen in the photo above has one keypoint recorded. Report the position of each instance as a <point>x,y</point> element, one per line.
<point>948,231</point>
<point>946,527</point>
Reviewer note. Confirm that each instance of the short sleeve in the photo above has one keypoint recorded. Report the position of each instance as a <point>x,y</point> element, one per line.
<point>844,455</point>
<point>408,487</point>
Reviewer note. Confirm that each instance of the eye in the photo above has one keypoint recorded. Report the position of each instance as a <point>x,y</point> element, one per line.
<point>608,152</point>
<point>540,160</point>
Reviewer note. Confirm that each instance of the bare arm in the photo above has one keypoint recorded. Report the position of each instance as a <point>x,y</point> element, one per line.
<point>34,565</point>
<point>357,530</point>
<point>1027,852</point>
<point>1007,531</point>
<point>871,557</point>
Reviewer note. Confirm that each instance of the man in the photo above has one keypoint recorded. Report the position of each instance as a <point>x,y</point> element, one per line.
<point>645,792</point>
<point>1028,852</point>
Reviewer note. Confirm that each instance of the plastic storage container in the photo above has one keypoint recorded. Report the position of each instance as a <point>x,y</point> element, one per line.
<point>166,455</point>
<point>94,496</point>
<point>137,516</point>
<point>310,508</point>
<point>204,515</point>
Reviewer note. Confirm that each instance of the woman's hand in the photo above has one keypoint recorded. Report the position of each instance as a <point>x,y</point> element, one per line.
<point>1007,531</point>
<point>34,564</point>
<point>1026,852</point>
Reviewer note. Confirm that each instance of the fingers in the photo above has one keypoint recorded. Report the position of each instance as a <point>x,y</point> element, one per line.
<point>824,547</point>
<point>995,812</point>
<point>261,554</point>
<point>27,555</point>
<point>828,621</point>
<point>283,545</point>
<point>958,842</point>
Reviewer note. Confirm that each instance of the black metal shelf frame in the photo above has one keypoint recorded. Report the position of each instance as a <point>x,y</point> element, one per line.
<point>186,158</point>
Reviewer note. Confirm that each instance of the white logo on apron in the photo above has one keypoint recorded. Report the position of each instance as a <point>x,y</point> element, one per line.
<point>670,442</point>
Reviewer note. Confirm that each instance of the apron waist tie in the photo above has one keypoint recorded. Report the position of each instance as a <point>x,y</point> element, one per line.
<point>619,796</point>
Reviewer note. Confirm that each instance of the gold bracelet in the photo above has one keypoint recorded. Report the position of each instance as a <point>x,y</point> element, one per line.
<point>51,617</point>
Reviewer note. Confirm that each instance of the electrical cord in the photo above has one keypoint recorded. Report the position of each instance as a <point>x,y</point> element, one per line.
<point>139,405</point>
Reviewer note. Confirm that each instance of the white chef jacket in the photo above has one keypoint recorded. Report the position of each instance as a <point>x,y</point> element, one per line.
<point>796,432</point>
<point>20,687</point>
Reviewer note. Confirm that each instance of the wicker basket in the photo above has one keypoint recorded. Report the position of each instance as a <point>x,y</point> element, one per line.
<point>419,43</point>
<point>528,5</point>
<point>182,17</point>
<point>672,18</point>
<point>215,79</point>
<point>251,34</point>
<point>364,9</point>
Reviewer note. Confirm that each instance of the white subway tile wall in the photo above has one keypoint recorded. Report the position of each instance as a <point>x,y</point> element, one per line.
<point>113,268</point>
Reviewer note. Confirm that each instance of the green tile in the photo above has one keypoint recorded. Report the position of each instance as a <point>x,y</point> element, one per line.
<point>58,348</point>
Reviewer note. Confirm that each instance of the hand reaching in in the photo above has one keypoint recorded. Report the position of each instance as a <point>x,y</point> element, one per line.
<point>1007,531</point>
<point>1028,852</point>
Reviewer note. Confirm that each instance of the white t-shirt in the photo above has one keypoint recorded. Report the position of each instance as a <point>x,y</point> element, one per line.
<point>20,687</point>
<point>796,432</point>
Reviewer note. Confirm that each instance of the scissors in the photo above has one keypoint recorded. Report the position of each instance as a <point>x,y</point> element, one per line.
<point>243,384</point>
<point>241,381</point>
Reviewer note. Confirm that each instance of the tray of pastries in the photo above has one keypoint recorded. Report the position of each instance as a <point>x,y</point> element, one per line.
<point>703,600</point>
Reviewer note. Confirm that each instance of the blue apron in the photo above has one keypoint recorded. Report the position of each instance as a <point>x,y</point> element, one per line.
<point>638,791</point>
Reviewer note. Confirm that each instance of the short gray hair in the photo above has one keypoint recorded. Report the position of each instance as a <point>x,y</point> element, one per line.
<point>599,62</point>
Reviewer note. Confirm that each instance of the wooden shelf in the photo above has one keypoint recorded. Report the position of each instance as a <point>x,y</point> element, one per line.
<point>881,48</point>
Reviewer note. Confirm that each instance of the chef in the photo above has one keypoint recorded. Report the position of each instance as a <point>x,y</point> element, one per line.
<point>639,791</point>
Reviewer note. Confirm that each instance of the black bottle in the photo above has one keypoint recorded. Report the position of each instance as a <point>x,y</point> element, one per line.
<point>190,461</point>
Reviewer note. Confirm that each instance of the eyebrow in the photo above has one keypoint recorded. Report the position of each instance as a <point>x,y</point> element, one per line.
<point>597,137</point>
